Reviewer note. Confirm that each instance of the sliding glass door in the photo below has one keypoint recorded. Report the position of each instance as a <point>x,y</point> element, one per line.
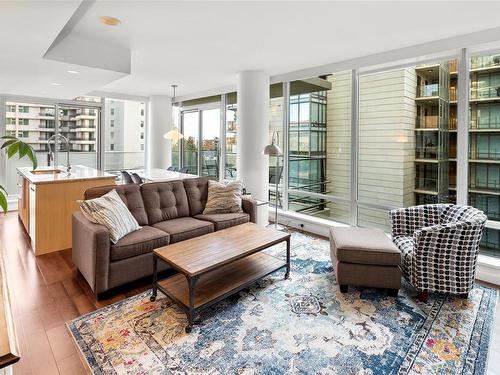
<point>210,145</point>
<point>191,131</point>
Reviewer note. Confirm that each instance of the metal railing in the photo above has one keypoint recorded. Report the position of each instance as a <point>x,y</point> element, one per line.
<point>479,62</point>
<point>424,91</point>
<point>429,152</point>
<point>427,122</point>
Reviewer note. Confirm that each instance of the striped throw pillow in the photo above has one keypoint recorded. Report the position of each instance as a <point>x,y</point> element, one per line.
<point>110,211</point>
<point>223,197</point>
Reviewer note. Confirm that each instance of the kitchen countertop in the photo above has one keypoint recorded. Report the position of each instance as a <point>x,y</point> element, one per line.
<point>78,173</point>
<point>159,175</point>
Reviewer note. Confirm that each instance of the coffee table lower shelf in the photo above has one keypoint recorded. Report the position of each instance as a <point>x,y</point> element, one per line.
<point>217,284</point>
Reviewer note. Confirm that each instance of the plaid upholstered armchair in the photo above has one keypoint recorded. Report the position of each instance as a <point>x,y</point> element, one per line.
<point>439,245</point>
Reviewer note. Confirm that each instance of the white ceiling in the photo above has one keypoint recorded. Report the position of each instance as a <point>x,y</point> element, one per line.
<point>203,45</point>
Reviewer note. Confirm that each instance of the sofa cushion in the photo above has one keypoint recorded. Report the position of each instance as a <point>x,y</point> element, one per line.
<point>224,197</point>
<point>139,242</point>
<point>184,228</point>
<point>363,246</point>
<point>223,221</point>
<point>197,191</point>
<point>130,195</point>
<point>164,201</point>
<point>110,211</point>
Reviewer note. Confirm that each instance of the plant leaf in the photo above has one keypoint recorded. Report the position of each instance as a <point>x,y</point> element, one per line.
<point>9,142</point>
<point>8,137</point>
<point>32,156</point>
<point>12,149</point>
<point>23,149</point>
<point>3,200</point>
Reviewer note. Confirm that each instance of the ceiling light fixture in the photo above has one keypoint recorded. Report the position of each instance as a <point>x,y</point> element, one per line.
<point>56,84</point>
<point>110,21</point>
<point>73,71</point>
<point>173,135</point>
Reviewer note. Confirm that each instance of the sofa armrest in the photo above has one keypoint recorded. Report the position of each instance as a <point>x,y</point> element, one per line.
<point>249,206</point>
<point>90,252</point>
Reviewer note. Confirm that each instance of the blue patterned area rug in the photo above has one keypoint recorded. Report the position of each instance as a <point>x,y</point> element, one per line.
<point>303,325</point>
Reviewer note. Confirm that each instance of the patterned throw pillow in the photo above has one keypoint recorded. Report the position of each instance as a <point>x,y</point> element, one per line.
<point>223,197</point>
<point>110,211</point>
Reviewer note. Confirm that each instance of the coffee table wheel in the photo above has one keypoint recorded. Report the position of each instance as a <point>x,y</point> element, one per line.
<point>189,329</point>
<point>152,298</point>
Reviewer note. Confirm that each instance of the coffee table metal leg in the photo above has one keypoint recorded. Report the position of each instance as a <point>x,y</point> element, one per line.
<point>191,311</point>
<point>287,274</point>
<point>155,278</point>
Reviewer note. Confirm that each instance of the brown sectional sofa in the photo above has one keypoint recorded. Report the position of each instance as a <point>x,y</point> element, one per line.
<point>168,212</point>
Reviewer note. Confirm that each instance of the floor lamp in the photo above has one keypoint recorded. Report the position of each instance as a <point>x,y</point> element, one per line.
<point>274,150</point>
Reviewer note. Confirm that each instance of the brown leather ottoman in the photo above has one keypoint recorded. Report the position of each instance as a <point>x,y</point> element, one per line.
<point>365,257</point>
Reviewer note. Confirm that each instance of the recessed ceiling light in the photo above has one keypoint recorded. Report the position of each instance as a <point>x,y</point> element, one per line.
<point>56,84</point>
<point>73,71</point>
<point>110,21</point>
<point>430,70</point>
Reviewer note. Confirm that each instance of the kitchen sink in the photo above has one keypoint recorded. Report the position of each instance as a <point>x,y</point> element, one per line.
<point>46,171</point>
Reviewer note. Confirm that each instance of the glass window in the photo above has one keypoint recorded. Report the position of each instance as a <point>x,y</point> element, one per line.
<point>276,103</point>
<point>191,131</point>
<point>484,144</point>
<point>406,153</point>
<point>319,145</point>
<point>40,129</point>
<point>231,129</point>
<point>210,146</point>
<point>121,148</point>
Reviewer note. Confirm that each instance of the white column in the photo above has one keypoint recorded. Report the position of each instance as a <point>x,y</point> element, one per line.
<point>158,149</point>
<point>253,132</point>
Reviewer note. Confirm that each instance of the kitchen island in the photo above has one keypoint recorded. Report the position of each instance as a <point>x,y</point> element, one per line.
<point>48,197</point>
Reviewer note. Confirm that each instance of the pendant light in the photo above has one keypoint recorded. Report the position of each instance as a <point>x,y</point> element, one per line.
<point>173,135</point>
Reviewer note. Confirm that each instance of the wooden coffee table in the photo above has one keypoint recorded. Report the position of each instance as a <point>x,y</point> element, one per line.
<point>217,265</point>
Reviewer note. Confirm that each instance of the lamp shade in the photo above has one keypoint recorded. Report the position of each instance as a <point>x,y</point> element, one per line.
<point>272,150</point>
<point>174,135</point>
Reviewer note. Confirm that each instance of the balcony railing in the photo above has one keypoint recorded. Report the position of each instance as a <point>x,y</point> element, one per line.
<point>485,155</point>
<point>427,122</point>
<point>484,123</point>
<point>428,152</point>
<point>426,184</point>
<point>486,184</point>
<point>478,62</point>
<point>485,92</point>
<point>424,91</point>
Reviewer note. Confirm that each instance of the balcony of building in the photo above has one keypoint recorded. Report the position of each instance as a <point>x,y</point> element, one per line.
<point>427,122</point>
<point>485,63</point>
<point>428,91</point>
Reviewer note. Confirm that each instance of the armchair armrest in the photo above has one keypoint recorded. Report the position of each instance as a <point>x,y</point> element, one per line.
<point>249,206</point>
<point>442,250</point>
<point>91,251</point>
<point>405,221</point>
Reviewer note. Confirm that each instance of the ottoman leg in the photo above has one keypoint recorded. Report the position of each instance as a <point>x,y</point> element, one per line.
<point>393,292</point>
<point>343,288</point>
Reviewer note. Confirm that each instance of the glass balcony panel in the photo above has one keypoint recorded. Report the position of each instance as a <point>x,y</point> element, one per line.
<point>424,91</point>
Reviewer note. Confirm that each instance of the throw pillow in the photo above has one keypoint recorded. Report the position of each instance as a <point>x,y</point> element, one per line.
<point>110,211</point>
<point>223,197</point>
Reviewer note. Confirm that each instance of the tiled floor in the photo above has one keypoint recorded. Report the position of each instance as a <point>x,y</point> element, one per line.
<point>47,291</point>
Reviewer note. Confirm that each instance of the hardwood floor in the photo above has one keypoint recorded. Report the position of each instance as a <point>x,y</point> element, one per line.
<point>47,291</point>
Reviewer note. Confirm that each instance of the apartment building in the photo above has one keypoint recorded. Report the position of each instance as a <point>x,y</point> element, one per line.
<point>407,143</point>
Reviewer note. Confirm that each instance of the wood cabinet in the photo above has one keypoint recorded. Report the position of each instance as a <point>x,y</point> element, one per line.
<point>45,209</point>
<point>23,200</point>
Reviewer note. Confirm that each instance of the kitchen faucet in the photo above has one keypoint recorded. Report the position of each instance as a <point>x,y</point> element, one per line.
<point>51,153</point>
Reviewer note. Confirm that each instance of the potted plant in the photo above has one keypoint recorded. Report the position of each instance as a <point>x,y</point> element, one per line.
<point>14,146</point>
